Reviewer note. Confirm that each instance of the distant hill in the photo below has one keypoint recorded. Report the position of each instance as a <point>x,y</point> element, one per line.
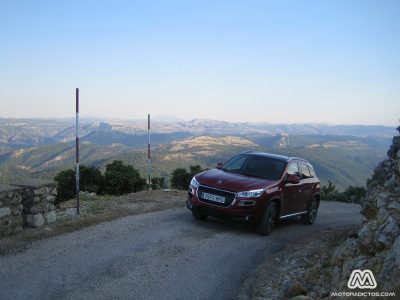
<point>27,133</point>
<point>344,160</point>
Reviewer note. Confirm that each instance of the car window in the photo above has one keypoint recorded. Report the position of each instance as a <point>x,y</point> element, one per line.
<point>256,166</point>
<point>293,169</point>
<point>305,172</point>
<point>235,164</point>
<point>312,173</point>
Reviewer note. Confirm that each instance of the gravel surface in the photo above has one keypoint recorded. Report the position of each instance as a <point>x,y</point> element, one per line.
<point>160,255</point>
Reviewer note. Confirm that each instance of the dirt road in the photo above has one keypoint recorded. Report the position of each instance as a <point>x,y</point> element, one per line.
<point>160,255</point>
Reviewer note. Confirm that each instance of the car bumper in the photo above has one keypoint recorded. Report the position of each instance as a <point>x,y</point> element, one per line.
<point>248,215</point>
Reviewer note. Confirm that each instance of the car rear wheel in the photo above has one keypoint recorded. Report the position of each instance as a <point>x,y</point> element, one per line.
<point>310,217</point>
<point>268,220</point>
<point>199,216</point>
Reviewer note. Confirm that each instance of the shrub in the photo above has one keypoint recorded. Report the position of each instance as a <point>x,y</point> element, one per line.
<point>66,185</point>
<point>90,179</point>
<point>122,179</point>
<point>157,183</point>
<point>180,178</point>
<point>329,192</point>
<point>352,194</point>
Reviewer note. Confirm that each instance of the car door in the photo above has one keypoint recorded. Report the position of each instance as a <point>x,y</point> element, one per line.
<point>291,198</point>
<point>306,186</point>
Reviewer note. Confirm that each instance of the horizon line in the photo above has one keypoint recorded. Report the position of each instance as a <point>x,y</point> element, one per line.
<point>178,120</point>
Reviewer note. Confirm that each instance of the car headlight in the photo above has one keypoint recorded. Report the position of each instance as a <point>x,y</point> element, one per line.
<point>250,194</point>
<point>194,183</point>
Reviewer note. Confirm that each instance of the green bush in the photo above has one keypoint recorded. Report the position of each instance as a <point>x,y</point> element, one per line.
<point>157,183</point>
<point>329,192</point>
<point>90,179</point>
<point>180,178</point>
<point>353,194</point>
<point>118,179</point>
<point>122,179</point>
<point>66,185</point>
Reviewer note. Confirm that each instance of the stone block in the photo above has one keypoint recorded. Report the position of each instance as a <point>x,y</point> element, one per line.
<point>50,217</point>
<point>34,220</point>
<point>33,210</point>
<point>16,210</point>
<point>50,198</point>
<point>16,199</point>
<point>5,211</point>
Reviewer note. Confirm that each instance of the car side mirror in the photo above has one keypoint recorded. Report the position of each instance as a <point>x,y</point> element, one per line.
<point>219,165</point>
<point>291,178</point>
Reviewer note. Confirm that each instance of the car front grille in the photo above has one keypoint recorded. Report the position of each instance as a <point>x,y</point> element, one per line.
<point>229,196</point>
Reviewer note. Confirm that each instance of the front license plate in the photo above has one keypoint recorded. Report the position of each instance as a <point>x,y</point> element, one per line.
<point>212,197</point>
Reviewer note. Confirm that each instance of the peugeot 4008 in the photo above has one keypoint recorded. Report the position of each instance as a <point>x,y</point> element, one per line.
<point>256,187</point>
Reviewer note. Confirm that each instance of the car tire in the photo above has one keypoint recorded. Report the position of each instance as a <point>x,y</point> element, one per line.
<point>198,216</point>
<point>311,215</point>
<point>268,220</point>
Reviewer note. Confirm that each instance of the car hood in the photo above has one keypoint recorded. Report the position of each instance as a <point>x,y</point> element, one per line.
<point>232,182</point>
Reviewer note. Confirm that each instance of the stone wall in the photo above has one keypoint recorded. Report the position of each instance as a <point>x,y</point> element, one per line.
<point>29,203</point>
<point>10,210</point>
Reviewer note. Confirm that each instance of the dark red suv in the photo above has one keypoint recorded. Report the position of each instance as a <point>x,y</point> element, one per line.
<point>256,187</point>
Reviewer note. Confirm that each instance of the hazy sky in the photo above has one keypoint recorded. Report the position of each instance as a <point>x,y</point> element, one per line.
<point>268,61</point>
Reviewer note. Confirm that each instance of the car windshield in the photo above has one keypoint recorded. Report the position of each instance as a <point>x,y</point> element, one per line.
<point>259,166</point>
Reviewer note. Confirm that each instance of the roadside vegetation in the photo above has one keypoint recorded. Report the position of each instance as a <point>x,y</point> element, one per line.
<point>180,177</point>
<point>118,179</point>
<point>352,194</point>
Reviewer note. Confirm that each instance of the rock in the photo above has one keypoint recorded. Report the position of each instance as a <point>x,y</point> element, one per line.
<point>388,232</point>
<point>33,210</point>
<point>50,217</point>
<point>295,289</point>
<point>395,205</point>
<point>34,220</point>
<point>391,266</point>
<point>301,297</point>
<point>5,211</point>
<point>382,214</point>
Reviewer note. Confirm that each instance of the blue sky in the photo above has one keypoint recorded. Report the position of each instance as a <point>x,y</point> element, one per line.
<point>263,61</point>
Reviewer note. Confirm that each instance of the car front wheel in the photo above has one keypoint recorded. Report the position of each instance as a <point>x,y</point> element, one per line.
<point>268,220</point>
<point>311,215</point>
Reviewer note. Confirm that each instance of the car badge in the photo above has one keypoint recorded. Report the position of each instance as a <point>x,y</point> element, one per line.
<point>219,181</point>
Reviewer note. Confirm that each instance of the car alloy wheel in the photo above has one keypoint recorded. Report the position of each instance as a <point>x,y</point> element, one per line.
<point>268,220</point>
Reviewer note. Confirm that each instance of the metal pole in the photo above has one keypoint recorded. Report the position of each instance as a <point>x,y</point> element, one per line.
<point>148,152</point>
<point>77,152</point>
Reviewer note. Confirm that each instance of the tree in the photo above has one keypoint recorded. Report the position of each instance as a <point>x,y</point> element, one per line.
<point>91,179</point>
<point>354,194</point>
<point>329,192</point>
<point>66,185</point>
<point>195,170</point>
<point>122,179</point>
<point>180,179</point>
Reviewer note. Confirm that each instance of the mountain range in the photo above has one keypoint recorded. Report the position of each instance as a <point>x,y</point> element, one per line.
<point>343,154</point>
